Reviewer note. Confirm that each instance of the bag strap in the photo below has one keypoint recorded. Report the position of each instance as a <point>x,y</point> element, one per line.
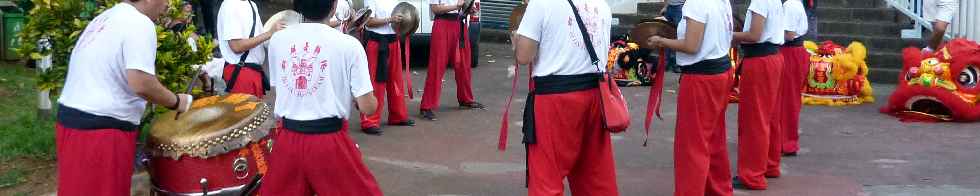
<point>585,35</point>
<point>251,33</point>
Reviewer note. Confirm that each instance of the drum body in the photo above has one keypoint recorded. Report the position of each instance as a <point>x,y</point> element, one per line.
<point>219,147</point>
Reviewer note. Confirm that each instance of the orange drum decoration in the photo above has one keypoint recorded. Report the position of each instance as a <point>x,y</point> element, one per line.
<point>837,76</point>
<point>218,147</point>
<point>938,86</point>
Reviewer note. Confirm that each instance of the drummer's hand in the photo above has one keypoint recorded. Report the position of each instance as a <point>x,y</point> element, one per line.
<point>395,19</point>
<point>656,41</point>
<point>184,102</point>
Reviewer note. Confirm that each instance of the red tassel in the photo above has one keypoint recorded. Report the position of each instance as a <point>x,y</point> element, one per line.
<point>505,121</point>
<point>408,66</point>
<point>655,97</point>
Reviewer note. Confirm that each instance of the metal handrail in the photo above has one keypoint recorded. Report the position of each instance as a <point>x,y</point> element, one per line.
<point>966,23</point>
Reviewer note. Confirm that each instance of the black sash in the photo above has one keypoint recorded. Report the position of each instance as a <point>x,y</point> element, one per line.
<point>794,43</point>
<point>318,126</point>
<point>384,41</point>
<point>238,68</point>
<point>554,84</point>
<point>76,119</point>
<point>708,67</point>
<point>448,16</point>
<point>760,49</point>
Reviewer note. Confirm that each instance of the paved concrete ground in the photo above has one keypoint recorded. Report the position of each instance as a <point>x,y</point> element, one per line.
<point>846,151</point>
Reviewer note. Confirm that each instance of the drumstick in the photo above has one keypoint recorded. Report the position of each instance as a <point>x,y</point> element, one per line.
<point>190,88</point>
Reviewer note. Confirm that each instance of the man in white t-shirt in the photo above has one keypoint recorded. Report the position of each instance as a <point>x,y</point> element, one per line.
<point>385,59</point>
<point>562,115</point>
<point>449,45</point>
<point>318,72</point>
<point>794,73</point>
<point>111,76</point>
<point>761,37</point>
<point>240,39</point>
<point>701,165</point>
<point>940,13</point>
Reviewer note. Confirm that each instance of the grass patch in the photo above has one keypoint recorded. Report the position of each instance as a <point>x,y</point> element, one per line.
<point>23,134</point>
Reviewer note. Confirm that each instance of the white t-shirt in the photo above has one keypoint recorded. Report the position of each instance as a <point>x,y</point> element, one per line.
<point>445,2</point>
<point>717,18</point>
<point>561,48</point>
<point>381,9</point>
<point>342,14</point>
<point>795,15</point>
<point>117,40</point>
<point>318,71</point>
<point>235,22</point>
<point>941,10</point>
<point>772,10</point>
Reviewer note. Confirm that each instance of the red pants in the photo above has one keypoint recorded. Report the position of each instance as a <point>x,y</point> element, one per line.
<point>797,62</point>
<point>700,148</point>
<point>570,143</point>
<point>249,81</point>
<point>321,164</point>
<point>94,162</point>
<point>394,87</point>
<point>758,86</point>
<point>445,50</point>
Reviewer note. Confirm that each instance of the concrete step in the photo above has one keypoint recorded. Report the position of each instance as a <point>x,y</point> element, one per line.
<point>884,29</point>
<point>851,3</point>
<point>861,14</point>
<point>879,59</point>
<point>649,8</point>
<point>883,75</point>
<point>874,43</point>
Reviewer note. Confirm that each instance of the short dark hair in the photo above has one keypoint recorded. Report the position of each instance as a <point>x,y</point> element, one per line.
<point>314,9</point>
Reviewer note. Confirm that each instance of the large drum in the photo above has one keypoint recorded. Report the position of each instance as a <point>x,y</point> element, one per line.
<point>219,147</point>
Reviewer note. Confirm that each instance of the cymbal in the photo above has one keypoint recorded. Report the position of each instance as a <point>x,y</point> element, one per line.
<point>410,19</point>
<point>287,17</point>
<point>358,21</point>
<point>642,31</point>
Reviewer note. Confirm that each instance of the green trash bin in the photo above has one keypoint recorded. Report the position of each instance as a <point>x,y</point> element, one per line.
<point>13,22</point>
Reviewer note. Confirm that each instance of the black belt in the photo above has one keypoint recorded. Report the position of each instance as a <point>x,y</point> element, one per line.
<point>384,40</point>
<point>238,68</point>
<point>709,66</point>
<point>794,43</point>
<point>760,49</point>
<point>554,84</point>
<point>318,126</point>
<point>76,119</point>
<point>448,16</point>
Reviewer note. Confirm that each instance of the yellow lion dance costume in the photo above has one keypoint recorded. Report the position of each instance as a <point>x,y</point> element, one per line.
<point>837,76</point>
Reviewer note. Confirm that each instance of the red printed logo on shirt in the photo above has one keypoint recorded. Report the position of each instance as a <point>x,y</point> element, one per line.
<point>91,32</point>
<point>591,20</point>
<point>304,70</point>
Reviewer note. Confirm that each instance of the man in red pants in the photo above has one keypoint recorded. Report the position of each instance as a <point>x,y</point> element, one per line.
<point>450,45</point>
<point>563,120</point>
<point>761,70</point>
<point>111,76</point>
<point>701,165</point>
<point>240,39</point>
<point>318,72</point>
<point>791,87</point>
<point>385,65</point>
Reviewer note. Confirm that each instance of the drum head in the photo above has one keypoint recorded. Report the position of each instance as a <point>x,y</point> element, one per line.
<point>657,27</point>
<point>516,16</point>
<point>286,16</point>
<point>410,18</point>
<point>358,21</point>
<point>214,125</point>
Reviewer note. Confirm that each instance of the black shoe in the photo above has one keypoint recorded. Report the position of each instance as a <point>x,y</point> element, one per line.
<point>408,123</point>
<point>738,184</point>
<point>373,131</point>
<point>472,105</point>
<point>789,154</point>
<point>429,115</point>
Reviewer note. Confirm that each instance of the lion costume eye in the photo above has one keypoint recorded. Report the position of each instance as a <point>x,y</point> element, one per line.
<point>968,77</point>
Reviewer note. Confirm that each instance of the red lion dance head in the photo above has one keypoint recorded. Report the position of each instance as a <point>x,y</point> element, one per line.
<point>939,86</point>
